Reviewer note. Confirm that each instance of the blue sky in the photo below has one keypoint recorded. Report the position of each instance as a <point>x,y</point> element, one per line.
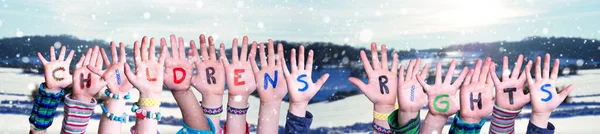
<point>402,24</point>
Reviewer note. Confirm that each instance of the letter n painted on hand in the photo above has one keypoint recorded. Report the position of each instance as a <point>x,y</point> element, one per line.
<point>148,75</point>
<point>273,80</point>
<point>478,101</point>
<point>85,83</point>
<point>302,81</point>
<point>178,69</point>
<point>510,91</point>
<point>543,88</point>
<point>445,102</point>
<point>210,78</point>
<point>54,73</point>
<point>237,77</point>
<point>383,80</point>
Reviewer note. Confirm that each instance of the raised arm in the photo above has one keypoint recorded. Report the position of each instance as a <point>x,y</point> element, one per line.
<point>301,89</point>
<point>411,98</point>
<point>271,88</point>
<point>381,87</point>
<point>476,100</point>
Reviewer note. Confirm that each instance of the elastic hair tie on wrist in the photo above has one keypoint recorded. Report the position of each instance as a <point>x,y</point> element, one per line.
<point>238,111</point>
<point>124,118</point>
<point>212,111</point>
<point>116,96</point>
<point>144,114</point>
<point>381,129</point>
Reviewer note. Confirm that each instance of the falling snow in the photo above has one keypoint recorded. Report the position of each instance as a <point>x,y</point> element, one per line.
<point>57,44</point>
<point>261,25</point>
<point>545,31</point>
<point>326,19</point>
<point>19,33</point>
<point>146,15</point>
<point>199,4</point>
<point>366,35</point>
<point>240,4</point>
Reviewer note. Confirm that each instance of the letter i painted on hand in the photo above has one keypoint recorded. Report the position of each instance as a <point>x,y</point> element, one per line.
<point>210,78</point>
<point>543,88</point>
<point>237,76</point>
<point>148,75</point>
<point>118,76</point>
<point>302,81</point>
<point>54,73</point>
<point>412,93</point>
<point>268,80</point>
<point>177,81</point>
<point>85,83</point>
<point>510,94</point>
<point>382,87</point>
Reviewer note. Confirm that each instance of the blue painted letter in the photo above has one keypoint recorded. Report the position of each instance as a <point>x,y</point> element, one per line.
<point>302,81</point>
<point>268,80</point>
<point>543,88</point>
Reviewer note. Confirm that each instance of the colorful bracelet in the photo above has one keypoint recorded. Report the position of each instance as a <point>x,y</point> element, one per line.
<point>381,129</point>
<point>150,102</point>
<point>238,111</point>
<point>116,96</point>
<point>77,114</point>
<point>124,118</point>
<point>380,116</point>
<point>213,111</point>
<point>44,108</point>
<point>143,114</point>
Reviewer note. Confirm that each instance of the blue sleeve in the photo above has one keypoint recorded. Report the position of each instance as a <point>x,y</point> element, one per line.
<point>298,125</point>
<point>188,130</point>
<point>533,129</point>
<point>461,127</point>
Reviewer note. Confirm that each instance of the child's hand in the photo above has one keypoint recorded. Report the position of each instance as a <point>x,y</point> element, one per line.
<point>442,95</point>
<point>240,77</point>
<point>509,91</point>
<point>411,96</point>
<point>149,73</point>
<point>299,82</point>
<point>381,87</point>
<point>114,76</point>
<point>85,83</point>
<point>179,71</point>
<point>56,72</point>
<point>271,86</point>
<point>544,98</point>
<point>210,77</point>
<point>476,100</point>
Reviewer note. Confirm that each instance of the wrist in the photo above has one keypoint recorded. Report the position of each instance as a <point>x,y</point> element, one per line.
<point>237,101</point>
<point>149,95</point>
<point>470,120</point>
<point>540,119</point>
<point>212,101</point>
<point>298,109</point>
<point>82,98</point>
<point>51,89</point>
<point>383,108</point>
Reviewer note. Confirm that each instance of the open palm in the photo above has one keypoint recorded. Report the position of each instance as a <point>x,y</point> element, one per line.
<point>179,70</point>
<point>240,77</point>
<point>411,96</point>
<point>478,86</point>
<point>114,76</point>
<point>271,87</point>
<point>511,85</point>
<point>56,72</point>
<point>210,77</point>
<point>85,83</point>
<point>544,98</point>
<point>441,96</point>
<point>149,73</point>
<point>381,87</point>
<point>299,82</point>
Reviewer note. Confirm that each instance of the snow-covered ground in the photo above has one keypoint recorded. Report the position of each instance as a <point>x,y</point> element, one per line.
<point>349,115</point>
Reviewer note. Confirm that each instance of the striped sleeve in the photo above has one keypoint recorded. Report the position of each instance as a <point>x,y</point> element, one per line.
<point>503,120</point>
<point>412,127</point>
<point>77,115</point>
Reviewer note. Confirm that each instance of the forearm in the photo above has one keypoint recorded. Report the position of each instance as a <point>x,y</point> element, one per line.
<point>503,120</point>
<point>433,123</point>
<point>107,126</point>
<point>236,123</point>
<point>298,109</point>
<point>213,101</point>
<point>190,110</point>
<point>382,109</point>
<point>77,113</point>
<point>540,119</point>
<point>404,117</point>
<point>268,117</point>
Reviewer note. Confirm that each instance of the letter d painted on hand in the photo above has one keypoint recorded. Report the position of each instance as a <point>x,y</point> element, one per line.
<point>177,81</point>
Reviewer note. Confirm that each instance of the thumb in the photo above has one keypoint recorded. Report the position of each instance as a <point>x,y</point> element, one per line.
<point>129,74</point>
<point>358,83</point>
<point>322,81</point>
<point>564,93</point>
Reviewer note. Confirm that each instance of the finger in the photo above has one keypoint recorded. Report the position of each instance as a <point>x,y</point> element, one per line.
<point>122,54</point>
<point>505,71</point>
<point>375,57</point>
<point>489,80</point>
<point>105,57</point>
<point>174,47</point>
<point>358,83</point>
<point>401,74</point>
<point>528,73</point>
<point>98,62</point>
<point>271,51</point>
<point>523,77</point>
<point>301,58</point>
<point>61,55</point>
<point>286,72</point>
<point>136,52</point>
<point>95,70</point>
<point>384,62</point>
<point>52,56</point>
<point>395,64</point>
<point>425,71</point>
<point>438,73</point>
<point>280,53</point>
<point>564,93</point>
<point>554,74</point>
<point>416,66</point>
<point>546,72</point>
<point>322,81</point>
<point>262,55</point>
<point>80,62</point>
<point>517,68</point>
<point>365,62</point>
<point>252,51</point>
<point>244,53</point>
<point>42,59</point>
<point>538,68</point>
<point>421,81</point>
<point>129,74</point>
<point>181,47</point>
<point>222,53</point>
<point>293,62</point>
<point>409,70</point>
<point>70,56</point>
<point>152,50</point>
<point>477,71</point>
<point>193,53</point>
<point>485,70</point>
<point>461,77</point>
<point>309,61</point>
<point>254,65</point>
<point>212,49</point>
<point>203,50</point>
<point>450,73</point>
<point>495,76</point>
<point>468,77</point>
<point>95,57</point>
<point>234,51</point>
<point>113,53</point>
<point>164,53</point>
<point>144,49</point>
<point>88,56</point>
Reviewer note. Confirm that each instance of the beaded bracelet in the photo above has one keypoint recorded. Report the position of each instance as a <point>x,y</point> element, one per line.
<point>380,116</point>
<point>143,114</point>
<point>213,111</point>
<point>238,111</point>
<point>44,108</point>
<point>381,129</point>
<point>124,118</point>
<point>151,102</point>
<point>116,96</point>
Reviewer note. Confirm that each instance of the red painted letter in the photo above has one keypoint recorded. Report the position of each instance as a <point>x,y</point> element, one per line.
<point>148,75</point>
<point>177,81</point>
<point>237,77</point>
